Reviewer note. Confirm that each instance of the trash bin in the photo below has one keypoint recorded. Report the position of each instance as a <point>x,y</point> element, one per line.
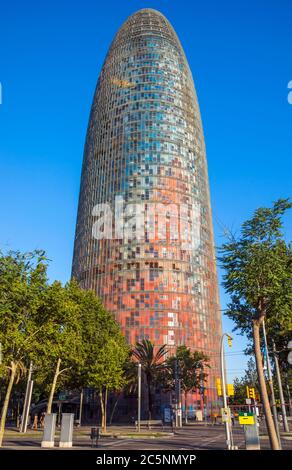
<point>94,436</point>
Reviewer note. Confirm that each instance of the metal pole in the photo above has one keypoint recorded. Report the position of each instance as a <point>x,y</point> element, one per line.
<point>27,400</point>
<point>270,379</point>
<point>80,406</point>
<point>176,392</point>
<point>282,401</point>
<point>289,397</point>
<point>227,429</point>
<point>179,404</point>
<point>178,411</point>
<point>139,397</point>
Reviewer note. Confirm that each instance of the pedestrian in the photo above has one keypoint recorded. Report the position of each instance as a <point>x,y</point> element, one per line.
<point>42,419</point>
<point>215,415</point>
<point>35,422</point>
<point>232,418</point>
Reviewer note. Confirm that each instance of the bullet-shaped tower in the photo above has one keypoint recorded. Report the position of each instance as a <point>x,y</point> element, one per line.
<point>144,238</point>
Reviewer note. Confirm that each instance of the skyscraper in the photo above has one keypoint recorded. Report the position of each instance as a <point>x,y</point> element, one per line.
<point>144,239</point>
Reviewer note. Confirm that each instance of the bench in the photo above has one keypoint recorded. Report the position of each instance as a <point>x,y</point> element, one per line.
<point>149,423</point>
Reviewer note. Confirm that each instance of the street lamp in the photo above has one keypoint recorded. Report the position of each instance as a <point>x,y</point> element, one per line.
<point>139,397</point>
<point>227,428</point>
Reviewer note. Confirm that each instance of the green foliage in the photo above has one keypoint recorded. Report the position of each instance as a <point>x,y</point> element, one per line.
<point>249,379</point>
<point>191,370</point>
<point>105,347</point>
<point>61,338</point>
<point>23,279</point>
<point>258,272</point>
<point>152,362</point>
<point>52,325</point>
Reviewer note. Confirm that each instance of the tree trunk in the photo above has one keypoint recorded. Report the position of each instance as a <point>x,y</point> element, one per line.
<point>264,394</point>
<point>52,392</point>
<point>105,408</point>
<point>6,401</point>
<point>101,408</point>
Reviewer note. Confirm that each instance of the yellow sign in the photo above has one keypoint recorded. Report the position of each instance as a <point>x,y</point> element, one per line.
<point>246,418</point>
<point>225,414</point>
<point>219,387</point>
<point>230,390</point>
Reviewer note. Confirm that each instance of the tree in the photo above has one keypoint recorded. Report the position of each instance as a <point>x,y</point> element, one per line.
<point>151,363</point>
<point>23,279</point>
<point>104,348</point>
<point>64,330</point>
<point>61,343</point>
<point>130,386</point>
<point>191,371</point>
<point>250,379</point>
<point>258,279</point>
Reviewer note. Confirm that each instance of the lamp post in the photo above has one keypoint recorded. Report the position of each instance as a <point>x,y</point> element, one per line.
<point>279,380</point>
<point>227,428</point>
<point>27,400</point>
<point>139,397</point>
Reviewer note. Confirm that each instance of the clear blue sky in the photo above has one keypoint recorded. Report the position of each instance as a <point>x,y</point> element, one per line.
<point>50,57</point>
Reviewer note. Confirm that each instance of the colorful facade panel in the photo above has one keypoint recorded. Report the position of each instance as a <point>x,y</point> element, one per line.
<point>144,240</point>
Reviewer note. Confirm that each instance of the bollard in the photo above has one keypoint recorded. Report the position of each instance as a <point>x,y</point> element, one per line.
<point>94,436</point>
<point>49,430</point>
<point>66,430</point>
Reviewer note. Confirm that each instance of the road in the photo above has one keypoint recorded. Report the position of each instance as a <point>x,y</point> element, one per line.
<point>194,437</point>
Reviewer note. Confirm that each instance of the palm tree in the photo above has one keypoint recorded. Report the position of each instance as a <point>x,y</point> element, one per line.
<point>151,362</point>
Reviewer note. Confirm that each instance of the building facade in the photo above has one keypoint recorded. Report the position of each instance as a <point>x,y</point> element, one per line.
<point>144,238</point>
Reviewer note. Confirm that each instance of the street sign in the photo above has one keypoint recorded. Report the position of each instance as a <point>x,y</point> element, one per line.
<point>248,401</point>
<point>225,414</point>
<point>167,415</point>
<point>62,396</point>
<point>246,418</point>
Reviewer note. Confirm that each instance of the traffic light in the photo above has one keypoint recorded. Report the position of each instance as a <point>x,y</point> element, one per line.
<point>219,387</point>
<point>230,390</point>
<point>250,392</point>
<point>229,340</point>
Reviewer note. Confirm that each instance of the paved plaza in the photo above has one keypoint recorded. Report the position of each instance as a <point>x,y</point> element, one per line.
<point>190,437</point>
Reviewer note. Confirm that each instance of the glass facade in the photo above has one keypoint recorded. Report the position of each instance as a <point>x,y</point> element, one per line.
<point>145,157</point>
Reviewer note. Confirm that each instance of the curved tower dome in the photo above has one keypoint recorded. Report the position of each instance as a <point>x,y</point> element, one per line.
<point>144,240</point>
